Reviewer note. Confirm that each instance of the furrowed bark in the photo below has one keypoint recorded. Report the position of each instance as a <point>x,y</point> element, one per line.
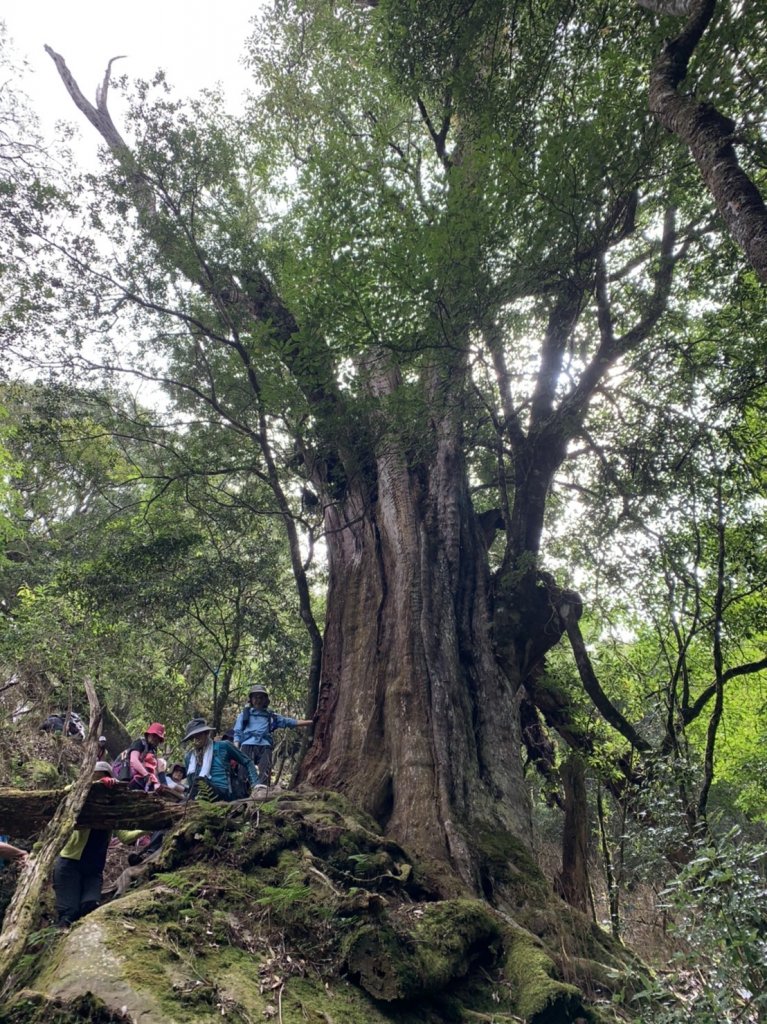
<point>418,723</point>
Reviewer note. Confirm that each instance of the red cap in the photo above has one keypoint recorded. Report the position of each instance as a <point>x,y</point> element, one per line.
<point>157,729</point>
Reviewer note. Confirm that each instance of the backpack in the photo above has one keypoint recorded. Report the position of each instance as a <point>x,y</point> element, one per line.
<point>247,711</point>
<point>53,723</point>
<point>121,767</point>
<point>239,784</point>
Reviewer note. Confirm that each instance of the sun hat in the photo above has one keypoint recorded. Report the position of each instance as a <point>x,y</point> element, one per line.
<point>156,729</point>
<point>103,766</point>
<point>257,690</point>
<point>195,727</point>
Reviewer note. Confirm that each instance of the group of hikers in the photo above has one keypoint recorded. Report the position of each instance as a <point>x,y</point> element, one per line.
<point>236,766</point>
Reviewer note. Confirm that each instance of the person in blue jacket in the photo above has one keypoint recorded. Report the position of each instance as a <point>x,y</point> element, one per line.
<point>208,763</point>
<point>254,727</point>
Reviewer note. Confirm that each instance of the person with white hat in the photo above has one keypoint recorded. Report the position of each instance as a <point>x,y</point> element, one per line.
<point>208,763</point>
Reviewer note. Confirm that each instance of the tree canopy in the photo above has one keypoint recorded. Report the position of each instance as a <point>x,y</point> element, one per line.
<point>465,303</point>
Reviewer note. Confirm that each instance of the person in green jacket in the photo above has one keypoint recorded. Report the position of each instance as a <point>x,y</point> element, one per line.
<point>79,869</point>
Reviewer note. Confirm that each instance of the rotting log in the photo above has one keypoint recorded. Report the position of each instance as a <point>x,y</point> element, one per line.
<point>24,813</point>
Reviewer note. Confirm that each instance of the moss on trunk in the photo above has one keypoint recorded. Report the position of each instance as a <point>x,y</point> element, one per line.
<point>300,907</point>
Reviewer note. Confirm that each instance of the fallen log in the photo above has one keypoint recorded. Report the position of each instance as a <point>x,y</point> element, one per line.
<point>25,813</point>
<point>22,910</point>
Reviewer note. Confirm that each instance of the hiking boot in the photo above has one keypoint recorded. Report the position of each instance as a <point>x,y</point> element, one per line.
<point>260,791</point>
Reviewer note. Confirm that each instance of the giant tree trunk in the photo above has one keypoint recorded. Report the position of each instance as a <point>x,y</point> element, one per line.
<point>418,723</point>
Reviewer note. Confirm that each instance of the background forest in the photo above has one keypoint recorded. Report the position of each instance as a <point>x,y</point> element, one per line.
<point>448,259</point>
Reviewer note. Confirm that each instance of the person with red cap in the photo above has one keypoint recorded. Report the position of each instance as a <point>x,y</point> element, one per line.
<point>147,744</point>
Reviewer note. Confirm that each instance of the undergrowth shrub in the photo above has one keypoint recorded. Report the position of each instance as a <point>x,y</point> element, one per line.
<point>717,906</point>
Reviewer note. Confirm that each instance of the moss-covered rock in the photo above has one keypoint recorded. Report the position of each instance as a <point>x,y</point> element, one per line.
<point>299,908</point>
<point>422,949</point>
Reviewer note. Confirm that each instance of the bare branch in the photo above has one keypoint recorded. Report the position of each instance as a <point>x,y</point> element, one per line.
<point>591,684</point>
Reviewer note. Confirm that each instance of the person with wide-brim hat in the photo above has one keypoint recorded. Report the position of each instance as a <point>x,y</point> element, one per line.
<point>254,727</point>
<point>208,763</point>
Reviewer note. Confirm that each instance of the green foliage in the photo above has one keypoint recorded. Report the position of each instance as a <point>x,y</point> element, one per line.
<point>170,592</point>
<point>718,905</point>
<point>436,220</point>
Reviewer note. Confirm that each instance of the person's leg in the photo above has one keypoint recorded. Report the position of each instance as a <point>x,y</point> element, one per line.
<point>67,887</point>
<point>261,756</point>
<point>263,761</point>
<point>90,893</point>
<point>155,842</point>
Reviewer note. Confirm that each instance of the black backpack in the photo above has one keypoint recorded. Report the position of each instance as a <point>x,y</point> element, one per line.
<point>239,783</point>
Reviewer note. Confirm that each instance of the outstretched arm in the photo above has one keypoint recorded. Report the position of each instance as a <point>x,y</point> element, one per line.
<point>8,852</point>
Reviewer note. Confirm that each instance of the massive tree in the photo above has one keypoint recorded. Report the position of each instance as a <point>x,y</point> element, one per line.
<point>409,281</point>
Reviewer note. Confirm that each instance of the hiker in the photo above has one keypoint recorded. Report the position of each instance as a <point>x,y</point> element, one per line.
<point>79,868</point>
<point>254,727</point>
<point>67,723</point>
<point>171,782</point>
<point>130,766</point>
<point>207,764</point>
<point>102,754</point>
<point>174,779</point>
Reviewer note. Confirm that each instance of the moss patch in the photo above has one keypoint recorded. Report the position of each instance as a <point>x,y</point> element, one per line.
<point>538,997</point>
<point>301,905</point>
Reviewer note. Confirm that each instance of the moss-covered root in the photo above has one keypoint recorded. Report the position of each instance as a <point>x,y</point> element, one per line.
<point>422,950</point>
<point>29,1007</point>
<point>538,997</point>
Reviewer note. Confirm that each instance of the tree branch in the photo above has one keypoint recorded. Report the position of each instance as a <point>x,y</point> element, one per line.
<point>691,713</point>
<point>708,134</point>
<point>591,684</point>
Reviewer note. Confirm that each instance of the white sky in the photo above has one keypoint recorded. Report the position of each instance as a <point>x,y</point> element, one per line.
<point>196,43</point>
